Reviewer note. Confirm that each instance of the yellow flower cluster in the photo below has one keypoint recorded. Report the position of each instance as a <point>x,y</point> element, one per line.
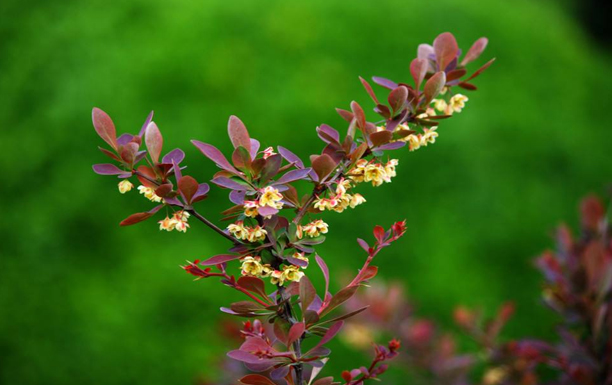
<point>455,104</point>
<point>178,222</point>
<point>269,197</point>
<point>251,234</point>
<point>252,267</point>
<point>366,171</point>
<point>125,186</point>
<point>313,229</point>
<point>149,193</point>
<point>341,200</point>
<point>416,141</point>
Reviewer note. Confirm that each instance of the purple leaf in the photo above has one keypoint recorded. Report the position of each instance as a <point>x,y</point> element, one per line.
<point>328,134</point>
<point>203,189</point>
<point>107,169</point>
<point>475,50</point>
<point>397,98</point>
<point>390,84</point>
<point>293,175</point>
<point>433,86</point>
<point>229,183</point>
<point>124,139</point>
<point>295,333</point>
<point>237,197</point>
<point>254,148</point>
<point>369,90</point>
<point>154,141</point>
<point>290,157</point>
<point>104,127</point>
<point>139,217</point>
<point>325,270</point>
<point>218,259</point>
<point>146,124</point>
<point>418,70</point>
<point>331,333</point>
<point>446,49</point>
<point>392,146</point>
<point>267,211</point>
<point>212,153</point>
<point>238,133</point>
<point>175,156</point>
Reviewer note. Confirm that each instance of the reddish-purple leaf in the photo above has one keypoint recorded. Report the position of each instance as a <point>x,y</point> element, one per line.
<point>390,84</point>
<point>270,168</point>
<point>379,233</point>
<point>203,189</point>
<point>124,139</point>
<point>397,98</point>
<point>255,379</point>
<point>280,372</point>
<point>331,333</point>
<point>380,138</point>
<point>324,381</point>
<point>163,190</point>
<point>346,115</point>
<point>369,89</point>
<point>455,74</point>
<point>290,157</point>
<point>392,146</point>
<point>467,86</point>
<point>359,114</point>
<point>480,70</point>
<point>364,245</point>
<point>418,70</point>
<point>218,259</point>
<point>104,127</point>
<point>188,187</point>
<point>446,49</point>
<point>295,333</point>
<point>254,285</point>
<point>307,293</point>
<point>324,270</point>
<point>293,175</point>
<point>434,85</point>
<point>110,154</point>
<point>146,124</point>
<point>107,169</point>
<point>139,217</point>
<point>339,298</point>
<point>475,50</point>
<point>175,156</point>
<point>425,51</point>
<point>238,133</point>
<point>229,183</point>
<point>323,165</point>
<point>344,316</point>
<point>328,134</point>
<point>154,141</point>
<point>212,153</point>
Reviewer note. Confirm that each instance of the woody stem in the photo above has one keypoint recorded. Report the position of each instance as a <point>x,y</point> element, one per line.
<point>287,315</point>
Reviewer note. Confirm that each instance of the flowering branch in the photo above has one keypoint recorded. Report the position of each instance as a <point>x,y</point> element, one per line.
<point>267,241</point>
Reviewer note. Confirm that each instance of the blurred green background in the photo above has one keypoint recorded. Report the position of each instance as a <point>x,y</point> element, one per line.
<point>84,301</point>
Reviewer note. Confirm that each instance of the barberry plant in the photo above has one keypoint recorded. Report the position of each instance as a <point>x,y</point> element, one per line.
<point>274,230</point>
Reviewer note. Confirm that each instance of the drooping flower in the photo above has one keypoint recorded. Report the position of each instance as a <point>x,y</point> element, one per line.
<point>356,174</point>
<point>429,136</point>
<point>325,204</point>
<point>356,200</point>
<point>440,105</point>
<point>316,228</point>
<point>376,174</point>
<point>149,193</point>
<point>457,103</point>
<point>250,209</point>
<point>271,197</point>
<point>414,142</point>
<point>277,277</point>
<point>292,273</point>
<point>125,186</point>
<point>390,167</point>
<point>238,230</point>
<point>268,152</point>
<point>251,266</point>
<point>180,217</point>
<point>256,234</point>
<point>167,224</point>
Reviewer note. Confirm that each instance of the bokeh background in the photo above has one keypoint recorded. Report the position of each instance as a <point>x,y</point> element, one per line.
<point>84,301</point>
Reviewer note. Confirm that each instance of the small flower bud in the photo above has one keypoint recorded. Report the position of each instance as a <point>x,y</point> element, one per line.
<point>125,186</point>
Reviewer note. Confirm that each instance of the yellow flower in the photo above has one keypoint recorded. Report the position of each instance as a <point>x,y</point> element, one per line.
<point>180,219</point>
<point>356,173</point>
<point>256,234</point>
<point>251,266</point>
<point>457,102</point>
<point>390,167</point>
<point>316,228</point>
<point>125,186</point>
<point>238,230</point>
<point>495,376</point>
<point>268,152</point>
<point>266,270</point>
<point>250,209</point>
<point>299,232</point>
<point>380,128</point>
<point>356,200</point>
<point>149,193</point>
<point>271,197</point>
<point>429,136</point>
<point>325,204</point>
<point>167,224</point>
<point>342,202</point>
<point>440,104</point>
<point>292,273</point>
<point>376,174</point>
<point>414,142</point>
<point>277,277</point>
<point>301,256</point>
